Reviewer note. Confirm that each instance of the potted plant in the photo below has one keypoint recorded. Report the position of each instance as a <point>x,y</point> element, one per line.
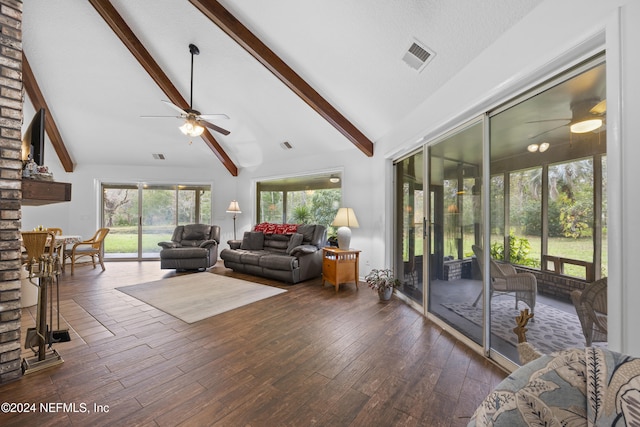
<point>383,281</point>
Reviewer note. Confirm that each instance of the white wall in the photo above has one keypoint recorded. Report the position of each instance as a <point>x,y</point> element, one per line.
<point>553,35</point>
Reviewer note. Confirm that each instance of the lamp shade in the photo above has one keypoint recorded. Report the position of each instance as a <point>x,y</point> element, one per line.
<point>234,207</point>
<point>345,218</point>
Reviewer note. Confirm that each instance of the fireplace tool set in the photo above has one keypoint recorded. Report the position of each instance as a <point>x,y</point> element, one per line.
<point>43,269</point>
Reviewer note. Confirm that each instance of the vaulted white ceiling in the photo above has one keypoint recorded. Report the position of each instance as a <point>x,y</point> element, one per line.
<point>350,52</point>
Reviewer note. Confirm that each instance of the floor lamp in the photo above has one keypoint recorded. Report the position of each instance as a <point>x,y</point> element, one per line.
<point>234,208</point>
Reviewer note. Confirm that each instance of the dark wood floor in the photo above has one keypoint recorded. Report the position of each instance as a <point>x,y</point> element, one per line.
<point>302,358</point>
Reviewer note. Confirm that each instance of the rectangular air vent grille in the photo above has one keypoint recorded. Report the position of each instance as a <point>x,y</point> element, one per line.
<point>417,56</point>
<point>158,156</point>
<point>286,145</point>
<point>419,52</point>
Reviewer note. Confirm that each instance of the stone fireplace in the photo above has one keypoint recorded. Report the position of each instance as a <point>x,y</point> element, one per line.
<point>11,98</point>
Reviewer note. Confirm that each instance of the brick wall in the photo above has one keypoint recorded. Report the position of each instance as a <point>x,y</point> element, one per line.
<point>10,185</point>
<point>556,285</point>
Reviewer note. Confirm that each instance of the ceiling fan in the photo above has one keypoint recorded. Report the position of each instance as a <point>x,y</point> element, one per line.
<point>193,119</point>
<point>587,116</point>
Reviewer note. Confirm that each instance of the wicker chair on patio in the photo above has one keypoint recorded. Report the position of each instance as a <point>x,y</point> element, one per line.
<point>506,280</point>
<point>591,307</point>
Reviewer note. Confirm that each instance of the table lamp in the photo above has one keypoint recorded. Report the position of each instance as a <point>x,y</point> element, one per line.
<point>345,218</point>
<point>234,208</point>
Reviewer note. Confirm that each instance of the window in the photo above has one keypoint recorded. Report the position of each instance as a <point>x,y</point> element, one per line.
<point>311,199</point>
<point>548,204</point>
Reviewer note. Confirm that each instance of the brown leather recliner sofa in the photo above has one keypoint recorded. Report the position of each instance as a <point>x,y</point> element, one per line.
<point>287,252</point>
<point>192,247</point>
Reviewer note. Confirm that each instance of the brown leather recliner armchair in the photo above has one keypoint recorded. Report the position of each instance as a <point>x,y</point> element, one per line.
<point>192,247</point>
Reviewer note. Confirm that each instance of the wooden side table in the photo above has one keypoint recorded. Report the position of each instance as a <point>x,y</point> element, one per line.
<point>340,266</point>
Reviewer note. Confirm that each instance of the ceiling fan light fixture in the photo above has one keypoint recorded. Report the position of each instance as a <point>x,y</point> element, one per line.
<point>542,147</point>
<point>585,126</point>
<point>191,128</point>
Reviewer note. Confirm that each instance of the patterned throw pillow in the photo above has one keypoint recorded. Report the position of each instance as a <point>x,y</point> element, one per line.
<point>265,227</point>
<point>286,228</point>
<point>270,228</point>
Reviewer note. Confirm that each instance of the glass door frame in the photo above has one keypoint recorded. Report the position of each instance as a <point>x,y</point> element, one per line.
<point>484,346</point>
<point>398,243</point>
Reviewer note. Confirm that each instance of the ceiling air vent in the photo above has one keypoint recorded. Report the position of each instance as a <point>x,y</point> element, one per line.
<point>417,56</point>
<point>158,156</point>
<point>286,145</point>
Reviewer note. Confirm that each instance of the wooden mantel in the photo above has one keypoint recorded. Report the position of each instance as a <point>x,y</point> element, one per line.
<point>37,193</point>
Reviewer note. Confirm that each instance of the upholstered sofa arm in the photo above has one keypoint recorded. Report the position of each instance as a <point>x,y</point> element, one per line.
<point>303,250</point>
<point>169,245</point>
<point>234,244</point>
<point>208,243</point>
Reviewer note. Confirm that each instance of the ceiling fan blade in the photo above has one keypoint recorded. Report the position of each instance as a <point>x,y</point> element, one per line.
<point>214,116</point>
<point>547,131</point>
<point>175,107</point>
<point>215,127</point>
<point>549,120</point>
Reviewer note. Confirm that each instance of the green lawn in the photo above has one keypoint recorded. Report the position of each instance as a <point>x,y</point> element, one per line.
<point>125,239</point>
<point>578,249</point>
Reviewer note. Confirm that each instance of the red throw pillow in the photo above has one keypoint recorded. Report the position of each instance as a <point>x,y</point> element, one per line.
<point>286,228</point>
<point>266,228</point>
<point>269,228</point>
<point>261,227</point>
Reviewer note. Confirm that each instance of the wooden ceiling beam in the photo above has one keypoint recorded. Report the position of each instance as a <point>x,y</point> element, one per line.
<point>135,46</point>
<point>38,101</point>
<point>252,44</point>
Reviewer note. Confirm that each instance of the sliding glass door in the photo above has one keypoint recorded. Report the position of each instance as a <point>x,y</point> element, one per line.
<point>140,215</point>
<point>455,224</point>
<point>548,207</point>
<point>508,212</point>
<point>410,232</point>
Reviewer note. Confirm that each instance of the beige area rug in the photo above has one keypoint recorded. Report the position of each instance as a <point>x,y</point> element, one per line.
<point>193,297</point>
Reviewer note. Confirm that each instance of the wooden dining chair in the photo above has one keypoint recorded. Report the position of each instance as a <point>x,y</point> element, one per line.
<point>58,247</point>
<point>55,230</point>
<point>94,248</point>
